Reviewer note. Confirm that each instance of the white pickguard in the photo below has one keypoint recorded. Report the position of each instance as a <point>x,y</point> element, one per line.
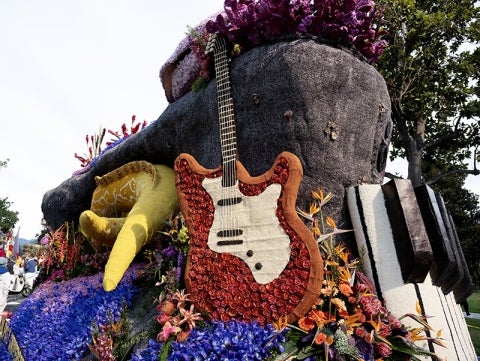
<point>252,225</point>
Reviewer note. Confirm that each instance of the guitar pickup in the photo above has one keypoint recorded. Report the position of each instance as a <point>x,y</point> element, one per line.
<point>229,201</point>
<point>230,233</point>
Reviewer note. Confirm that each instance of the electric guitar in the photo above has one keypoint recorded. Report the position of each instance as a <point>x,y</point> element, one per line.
<point>250,256</point>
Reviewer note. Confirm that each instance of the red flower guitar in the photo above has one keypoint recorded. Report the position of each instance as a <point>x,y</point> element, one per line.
<point>250,255</point>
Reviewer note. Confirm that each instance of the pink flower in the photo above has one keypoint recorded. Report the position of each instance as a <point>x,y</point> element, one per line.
<point>385,330</point>
<point>189,317</point>
<point>383,349</point>
<point>372,305</point>
<point>360,332</point>
<point>181,297</point>
<point>394,321</point>
<point>167,330</point>
<point>369,337</point>
<point>163,318</point>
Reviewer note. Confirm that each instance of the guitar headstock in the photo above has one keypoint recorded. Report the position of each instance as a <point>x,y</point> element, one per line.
<point>215,44</point>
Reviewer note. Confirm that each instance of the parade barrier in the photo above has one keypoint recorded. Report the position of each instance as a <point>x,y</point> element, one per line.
<point>7,336</point>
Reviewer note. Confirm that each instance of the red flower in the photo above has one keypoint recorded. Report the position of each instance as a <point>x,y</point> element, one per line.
<point>383,349</point>
<point>320,338</point>
<point>306,324</point>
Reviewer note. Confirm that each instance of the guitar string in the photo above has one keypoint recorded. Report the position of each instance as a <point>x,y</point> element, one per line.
<point>228,138</point>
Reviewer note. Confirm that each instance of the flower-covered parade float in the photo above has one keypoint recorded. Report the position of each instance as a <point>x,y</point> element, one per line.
<point>249,221</point>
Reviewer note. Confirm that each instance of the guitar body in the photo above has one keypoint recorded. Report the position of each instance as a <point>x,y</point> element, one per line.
<point>250,255</point>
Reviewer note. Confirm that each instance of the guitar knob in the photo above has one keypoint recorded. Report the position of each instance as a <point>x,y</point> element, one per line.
<point>258,266</point>
<point>249,253</point>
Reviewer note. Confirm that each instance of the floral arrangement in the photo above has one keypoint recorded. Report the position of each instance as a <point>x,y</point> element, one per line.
<point>350,22</point>
<point>349,321</point>
<point>248,23</point>
<point>56,321</point>
<point>68,254</point>
<point>94,148</point>
<point>232,340</point>
<point>176,317</point>
<point>75,318</point>
<point>95,143</point>
<point>125,132</point>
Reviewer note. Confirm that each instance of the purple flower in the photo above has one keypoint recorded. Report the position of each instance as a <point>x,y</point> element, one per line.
<point>350,22</point>
<point>54,322</point>
<point>170,251</point>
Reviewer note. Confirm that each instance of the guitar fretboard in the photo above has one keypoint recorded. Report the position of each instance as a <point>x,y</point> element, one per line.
<point>228,139</point>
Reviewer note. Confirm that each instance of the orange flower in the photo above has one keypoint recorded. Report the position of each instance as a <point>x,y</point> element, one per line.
<point>331,222</point>
<point>318,317</point>
<point>317,232</point>
<point>343,313</point>
<point>355,320</point>
<point>281,323</point>
<point>313,210</point>
<point>345,289</point>
<point>306,324</point>
<point>320,338</point>
<point>167,307</point>
<point>319,195</point>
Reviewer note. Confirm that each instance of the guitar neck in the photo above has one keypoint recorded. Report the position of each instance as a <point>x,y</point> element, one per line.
<point>228,139</point>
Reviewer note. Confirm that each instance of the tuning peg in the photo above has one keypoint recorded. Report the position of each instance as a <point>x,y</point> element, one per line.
<point>211,43</point>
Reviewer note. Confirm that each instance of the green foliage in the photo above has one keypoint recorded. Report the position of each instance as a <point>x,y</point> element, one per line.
<point>8,218</point>
<point>432,72</point>
<point>474,302</point>
<point>474,330</point>
<point>432,69</point>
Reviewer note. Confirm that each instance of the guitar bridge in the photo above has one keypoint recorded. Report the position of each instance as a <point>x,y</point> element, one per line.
<point>232,242</point>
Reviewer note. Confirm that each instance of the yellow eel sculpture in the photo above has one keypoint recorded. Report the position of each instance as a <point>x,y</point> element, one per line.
<point>128,206</point>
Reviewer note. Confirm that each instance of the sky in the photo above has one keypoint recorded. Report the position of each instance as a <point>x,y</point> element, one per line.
<point>69,68</point>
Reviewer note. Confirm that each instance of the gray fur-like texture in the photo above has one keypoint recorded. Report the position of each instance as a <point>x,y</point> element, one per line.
<point>285,96</point>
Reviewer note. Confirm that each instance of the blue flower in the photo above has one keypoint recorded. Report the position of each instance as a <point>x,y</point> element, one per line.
<point>150,353</point>
<point>232,340</point>
<point>55,322</point>
<point>4,353</point>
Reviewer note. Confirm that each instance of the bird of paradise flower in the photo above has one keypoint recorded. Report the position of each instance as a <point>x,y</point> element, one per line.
<point>348,319</point>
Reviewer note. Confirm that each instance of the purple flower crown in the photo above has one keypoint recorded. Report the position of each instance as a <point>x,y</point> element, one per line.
<point>349,22</point>
<point>352,24</point>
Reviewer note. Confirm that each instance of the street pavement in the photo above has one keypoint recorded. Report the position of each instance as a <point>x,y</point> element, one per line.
<point>13,301</point>
<point>472,315</point>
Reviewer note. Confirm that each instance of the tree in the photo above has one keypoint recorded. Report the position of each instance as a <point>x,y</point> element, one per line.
<point>431,67</point>
<point>8,218</point>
